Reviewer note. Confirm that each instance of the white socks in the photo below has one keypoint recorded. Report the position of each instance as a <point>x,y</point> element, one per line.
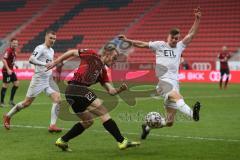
<point>54,113</point>
<point>15,109</point>
<point>184,108</point>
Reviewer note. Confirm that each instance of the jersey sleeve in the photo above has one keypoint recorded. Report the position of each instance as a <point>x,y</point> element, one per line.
<point>153,45</point>
<point>6,54</point>
<point>35,55</point>
<point>103,78</point>
<point>37,52</point>
<point>181,45</point>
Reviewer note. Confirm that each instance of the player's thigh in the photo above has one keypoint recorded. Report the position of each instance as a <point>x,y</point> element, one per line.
<point>16,83</point>
<point>14,79</point>
<point>174,96</point>
<point>79,97</point>
<point>5,85</point>
<point>164,87</point>
<point>35,88</point>
<point>222,72</point>
<point>168,89</point>
<point>99,110</point>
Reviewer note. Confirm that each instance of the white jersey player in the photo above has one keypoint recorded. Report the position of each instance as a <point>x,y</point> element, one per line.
<point>168,56</point>
<point>41,82</point>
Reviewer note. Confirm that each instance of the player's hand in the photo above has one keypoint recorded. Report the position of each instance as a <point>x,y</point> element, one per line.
<point>197,13</point>
<point>50,65</point>
<point>123,87</point>
<point>122,37</point>
<point>9,72</point>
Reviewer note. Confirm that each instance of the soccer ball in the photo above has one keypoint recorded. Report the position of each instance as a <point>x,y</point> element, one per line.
<point>153,120</point>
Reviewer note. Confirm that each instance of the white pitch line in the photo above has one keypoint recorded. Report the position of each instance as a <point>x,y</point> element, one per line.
<point>158,97</point>
<point>198,97</point>
<point>152,134</point>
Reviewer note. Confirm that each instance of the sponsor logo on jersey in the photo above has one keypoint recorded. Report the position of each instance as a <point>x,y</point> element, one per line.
<point>167,53</point>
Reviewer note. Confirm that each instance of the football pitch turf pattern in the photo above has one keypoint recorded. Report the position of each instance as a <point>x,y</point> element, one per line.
<point>215,136</point>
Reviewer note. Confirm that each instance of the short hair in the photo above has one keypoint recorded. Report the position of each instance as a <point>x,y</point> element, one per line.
<point>50,32</point>
<point>110,46</point>
<point>174,31</point>
<point>13,39</point>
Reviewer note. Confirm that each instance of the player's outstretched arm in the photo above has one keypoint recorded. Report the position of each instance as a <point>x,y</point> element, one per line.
<point>194,29</point>
<point>114,91</point>
<point>66,55</point>
<point>136,43</point>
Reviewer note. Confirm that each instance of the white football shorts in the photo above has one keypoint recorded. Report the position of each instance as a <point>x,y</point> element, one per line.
<point>164,87</point>
<point>38,86</point>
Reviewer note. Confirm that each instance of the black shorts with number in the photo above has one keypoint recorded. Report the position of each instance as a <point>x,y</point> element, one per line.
<point>79,97</point>
<point>224,71</point>
<point>9,78</point>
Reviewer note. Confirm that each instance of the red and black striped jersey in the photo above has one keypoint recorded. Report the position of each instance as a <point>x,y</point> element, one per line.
<point>91,70</point>
<point>9,56</point>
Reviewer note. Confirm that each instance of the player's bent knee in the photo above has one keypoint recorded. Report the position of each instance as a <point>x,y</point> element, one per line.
<point>5,85</point>
<point>105,117</point>
<point>175,96</point>
<point>87,124</point>
<point>16,83</point>
<point>56,97</point>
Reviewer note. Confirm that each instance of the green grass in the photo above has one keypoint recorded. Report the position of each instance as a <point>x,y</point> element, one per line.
<point>215,136</point>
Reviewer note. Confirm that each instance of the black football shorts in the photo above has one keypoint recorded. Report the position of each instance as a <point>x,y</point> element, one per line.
<point>224,71</point>
<point>9,78</point>
<point>79,97</point>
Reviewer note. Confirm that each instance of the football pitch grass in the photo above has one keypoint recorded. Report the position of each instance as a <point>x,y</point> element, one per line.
<point>215,136</point>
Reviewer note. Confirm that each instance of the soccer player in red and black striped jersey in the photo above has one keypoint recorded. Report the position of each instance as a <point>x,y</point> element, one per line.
<point>84,101</point>
<point>224,68</point>
<point>8,73</point>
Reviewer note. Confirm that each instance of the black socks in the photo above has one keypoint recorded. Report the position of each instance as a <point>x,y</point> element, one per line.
<point>3,92</point>
<point>13,91</point>
<point>76,130</point>
<point>113,129</point>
